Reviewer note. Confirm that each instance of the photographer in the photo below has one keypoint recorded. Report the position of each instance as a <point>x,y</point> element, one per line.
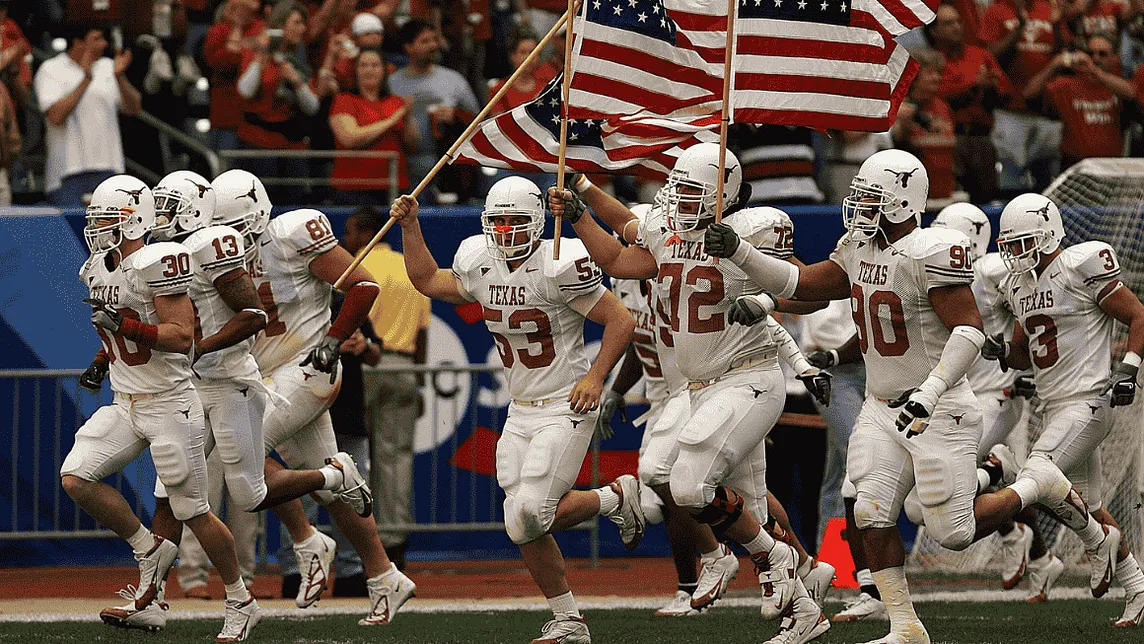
<point>925,125</point>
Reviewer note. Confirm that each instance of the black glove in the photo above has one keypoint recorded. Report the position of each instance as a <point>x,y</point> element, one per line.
<point>104,316</point>
<point>817,382</point>
<point>996,348</point>
<point>720,240</point>
<point>613,401</point>
<point>573,205</point>
<point>748,310</point>
<point>822,359</point>
<point>1024,386</point>
<point>1122,384</point>
<point>325,357</point>
<point>92,379</point>
<point>913,409</point>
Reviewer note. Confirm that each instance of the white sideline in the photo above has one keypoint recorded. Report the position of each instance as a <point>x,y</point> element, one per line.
<point>26,611</point>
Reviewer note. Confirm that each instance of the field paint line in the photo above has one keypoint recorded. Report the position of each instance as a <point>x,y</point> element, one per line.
<point>32,611</point>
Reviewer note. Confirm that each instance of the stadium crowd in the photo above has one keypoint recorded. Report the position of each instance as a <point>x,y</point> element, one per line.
<point>1009,93</point>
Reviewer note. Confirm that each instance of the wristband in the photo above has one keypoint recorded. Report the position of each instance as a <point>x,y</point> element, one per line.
<point>582,184</point>
<point>139,332</point>
<point>259,312</point>
<point>1132,359</point>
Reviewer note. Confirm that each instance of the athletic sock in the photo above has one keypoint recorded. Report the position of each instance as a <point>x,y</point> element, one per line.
<point>983,480</point>
<point>609,500</point>
<point>1092,534</point>
<point>1026,488</point>
<point>1013,536</point>
<point>892,584</point>
<point>688,588</point>
<point>564,606</point>
<point>387,574</point>
<point>142,541</point>
<point>237,591</point>
<point>334,477</point>
<point>1129,575</point>
<point>713,555</point>
<point>866,583</point>
<point>761,544</point>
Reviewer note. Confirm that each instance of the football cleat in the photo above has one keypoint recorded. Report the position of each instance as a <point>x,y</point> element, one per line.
<point>152,617</point>
<point>714,577</point>
<point>388,592</point>
<point>628,515</point>
<point>778,577</point>
<point>864,607</point>
<point>354,490</point>
<point>1133,612</point>
<point>679,606</point>
<point>1004,457</point>
<point>1015,555</point>
<point>314,558</point>
<point>1103,561</point>
<point>153,568</point>
<point>914,633</point>
<point>241,618</point>
<point>818,580</point>
<point>569,630</point>
<point>1043,574</point>
<point>804,623</point>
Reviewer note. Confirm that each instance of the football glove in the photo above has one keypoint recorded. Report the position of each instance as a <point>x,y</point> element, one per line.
<point>1122,384</point>
<point>916,407</point>
<point>822,359</point>
<point>720,240</point>
<point>325,357</point>
<point>1024,386</point>
<point>103,316</point>
<point>573,205</point>
<point>817,382</point>
<point>749,310</point>
<point>92,379</point>
<point>613,402</point>
<point>996,348</point>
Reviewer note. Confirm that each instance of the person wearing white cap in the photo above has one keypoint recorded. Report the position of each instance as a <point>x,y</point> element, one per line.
<point>367,32</point>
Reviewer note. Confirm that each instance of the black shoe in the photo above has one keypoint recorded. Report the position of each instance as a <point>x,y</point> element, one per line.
<point>350,586</point>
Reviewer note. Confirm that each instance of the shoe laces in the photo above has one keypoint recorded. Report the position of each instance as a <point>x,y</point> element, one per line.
<point>131,592</point>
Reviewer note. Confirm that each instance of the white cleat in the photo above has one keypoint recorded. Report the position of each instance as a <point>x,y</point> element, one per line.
<point>818,580</point>
<point>863,608</point>
<point>354,490</point>
<point>778,576</point>
<point>679,606</point>
<point>714,578</point>
<point>1103,561</point>
<point>314,558</point>
<point>911,634</point>
<point>1133,612</point>
<point>1003,456</point>
<point>151,618</point>
<point>804,623</point>
<point>571,630</point>
<point>628,515</point>
<point>1015,548</point>
<point>1043,574</point>
<point>241,618</point>
<point>153,568</point>
<point>388,592</point>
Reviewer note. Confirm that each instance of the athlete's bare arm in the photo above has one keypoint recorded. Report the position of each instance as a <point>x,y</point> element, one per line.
<point>1121,303</point>
<point>176,328</point>
<point>428,278</point>
<point>236,289</point>
<point>955,306</point>
<point>618,325</point>
<point>615,259</point>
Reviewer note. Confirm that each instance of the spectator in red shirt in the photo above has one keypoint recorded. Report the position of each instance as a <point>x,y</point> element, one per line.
<point>925,125</point>
<point>1089,17</point>
<point>223,47</point>
<point>531,80</point>
<point>329,18</point>
<point>1089,102</point>
<point>369,118</point>
<point>974,86</point>
<point>15,73</point>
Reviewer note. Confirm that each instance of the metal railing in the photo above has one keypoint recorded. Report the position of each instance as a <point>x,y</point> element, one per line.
<point>391,181</point>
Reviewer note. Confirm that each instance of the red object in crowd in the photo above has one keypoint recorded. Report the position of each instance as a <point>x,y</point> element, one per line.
<point>1034,49</point>
<point>226,104</point>
<point>267,117</point>
<point>10,34</point>
<point>515,97</point>
<point>960,77</point>
<point>1090,115</point>
<point>935,145</point>
<point>367,112</point>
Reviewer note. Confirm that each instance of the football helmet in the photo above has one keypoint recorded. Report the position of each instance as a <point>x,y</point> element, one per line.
<point>184,203</point>
<point>891,184</point>
<point>688,198</point>
<point>513,197</point>
<point>967,218</point>
<point>241,202</point>
<point>1031,226</point>
<point>122,207</point>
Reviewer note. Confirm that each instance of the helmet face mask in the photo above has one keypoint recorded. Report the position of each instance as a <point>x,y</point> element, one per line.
<point>690,196</point>
<point>121,208</point>
<point>102,232</point>
<point>863,208</point>
<point>1021,252</point>
<point>184,203</point>
<point>513,218</point>
<point>891,186</point>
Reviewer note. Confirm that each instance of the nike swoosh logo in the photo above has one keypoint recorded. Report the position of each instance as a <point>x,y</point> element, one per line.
<point>264,242</point>
<point>1054,276</point>
<point>530,270</point>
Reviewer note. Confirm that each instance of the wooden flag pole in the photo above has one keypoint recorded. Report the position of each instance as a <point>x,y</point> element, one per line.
<point>558,222</point>
<point>725,118</point>
<point>468,133</point>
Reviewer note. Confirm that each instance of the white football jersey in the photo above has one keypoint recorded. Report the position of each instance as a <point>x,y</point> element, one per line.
<point>985,376</point>
<point>537,321</point>
<point>158,269</point>
<point>695,291</point>
<point>631,294</point>
<point>899,332</point>
<point>216,251</point>
<point>296,302</point>
<point>1070,337</point>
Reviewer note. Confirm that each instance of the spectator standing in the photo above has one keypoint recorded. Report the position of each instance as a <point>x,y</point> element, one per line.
<point>80,93</point>
<point>332,18</point>
<point>15,73</point>
<point>530,82</point>
<point>223,48</point>
<point>9,143</point>
<point>393,402</point>
<point>366,32</point>
<point>369,118</point>
<point>974,86</point>
<point>1089,102</point>
<point>1090,17</point>
<point>925,126</point>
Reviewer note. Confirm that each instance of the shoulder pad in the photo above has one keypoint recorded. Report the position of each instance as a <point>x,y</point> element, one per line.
<point>306,232</point>
<point>216,250</point>
<point>575,272</point>
<point>766,228</point>
<point>472,252</point>
<point>165,267</point>
<point>930,241</point>
<point>992,268</point>
<point>1094,262</point>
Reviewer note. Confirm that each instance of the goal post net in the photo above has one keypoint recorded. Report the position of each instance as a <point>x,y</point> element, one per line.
<point>1099,199</point>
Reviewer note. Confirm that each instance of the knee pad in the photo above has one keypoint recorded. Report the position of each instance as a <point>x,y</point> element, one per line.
<point>531,519</point>
<point>170,463</point>
<point>914,508</point>
<point>186,508</point>
<point>933,481</point>
<point>868,514</point>
<point>246,492</point>
<point>958,538</point>
<point>722,511</point>
<point>688,491</point>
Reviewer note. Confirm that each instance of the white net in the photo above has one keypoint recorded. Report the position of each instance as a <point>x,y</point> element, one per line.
<point>1100,199</point>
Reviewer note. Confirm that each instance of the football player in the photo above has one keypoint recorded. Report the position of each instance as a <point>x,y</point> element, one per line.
<point>140,307</point>
<point>920,332</point>
<point>535,308</point>
<point>727,347</point>
<point>1067,302</point>
<point>294,261</point>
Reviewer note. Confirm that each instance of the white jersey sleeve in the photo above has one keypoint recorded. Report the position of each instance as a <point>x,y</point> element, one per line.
<point>165,268</point>
<point>579,282</point>
<point>216,251</point>
<point>468,261</point>
<point>306,232</point>
<point>986,377</point>
<point>947,259</point>
<point>1096,269</point>
<point>768,229</point>
<point>636,296</point>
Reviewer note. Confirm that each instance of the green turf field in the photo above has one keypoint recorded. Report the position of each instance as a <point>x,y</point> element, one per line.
<point>1059,622</point>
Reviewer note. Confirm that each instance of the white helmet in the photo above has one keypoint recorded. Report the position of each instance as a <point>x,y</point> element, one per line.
<point>127,203</point>
<point>184,203</point>
<point>891,184</point>
<point>698,170</point>
<point>1031,226</point>
<point>241,202</point>
<point>514,197</point>
<point>967,218</point>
